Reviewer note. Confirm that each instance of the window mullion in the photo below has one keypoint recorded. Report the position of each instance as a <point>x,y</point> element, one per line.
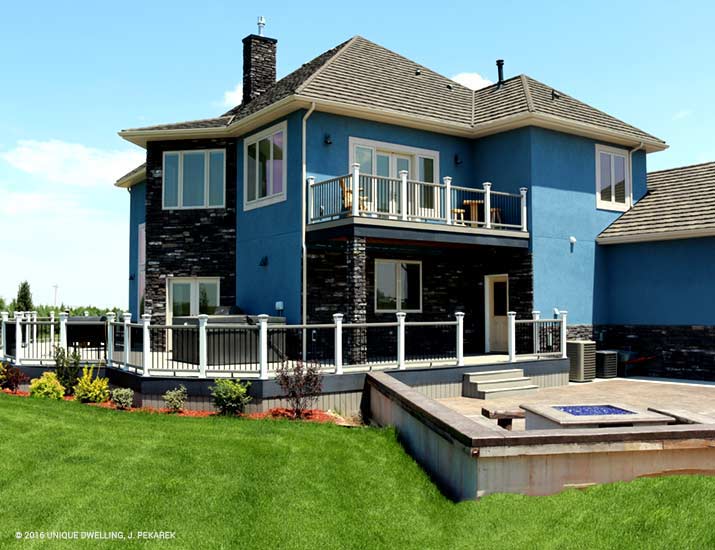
<point>398,284</point>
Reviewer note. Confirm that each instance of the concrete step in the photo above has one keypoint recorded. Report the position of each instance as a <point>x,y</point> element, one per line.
<point>504,383</point>
<point>489,375</point>
<point>506,392</point>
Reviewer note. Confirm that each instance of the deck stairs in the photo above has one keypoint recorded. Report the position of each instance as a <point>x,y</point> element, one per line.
<point>494,384</point>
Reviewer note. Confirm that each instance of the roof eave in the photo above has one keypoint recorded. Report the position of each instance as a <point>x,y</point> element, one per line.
<point>241,126</point>
<point>131,180</point>
<point>653,237</point>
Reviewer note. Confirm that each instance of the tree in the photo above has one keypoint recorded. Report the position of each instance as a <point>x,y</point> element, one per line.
<point>3,305</point>
<point>24,297</point>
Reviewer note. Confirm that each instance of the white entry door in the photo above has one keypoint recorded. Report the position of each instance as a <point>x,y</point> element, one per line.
<point>497,305</point>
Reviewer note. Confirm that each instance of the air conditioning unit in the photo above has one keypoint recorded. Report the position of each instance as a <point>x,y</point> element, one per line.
<point>607,364</point>
<point>582,356</point>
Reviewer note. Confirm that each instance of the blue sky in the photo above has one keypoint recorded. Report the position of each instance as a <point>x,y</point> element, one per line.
<point>74,73</point>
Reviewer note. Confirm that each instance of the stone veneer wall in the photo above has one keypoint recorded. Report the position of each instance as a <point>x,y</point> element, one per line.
<point>452,280</point>
<point>578,332</point>
<point>679,351</point>
<point>188,243</point>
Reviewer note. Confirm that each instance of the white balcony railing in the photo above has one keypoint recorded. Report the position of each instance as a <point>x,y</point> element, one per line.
<point>416,201</point>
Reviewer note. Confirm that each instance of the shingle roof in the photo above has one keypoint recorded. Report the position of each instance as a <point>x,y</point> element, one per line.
<point>361,73</point>
<point>679,199</point>
<point>366,74</point>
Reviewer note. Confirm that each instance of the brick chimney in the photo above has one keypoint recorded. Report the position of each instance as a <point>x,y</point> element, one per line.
<point>259,65</point>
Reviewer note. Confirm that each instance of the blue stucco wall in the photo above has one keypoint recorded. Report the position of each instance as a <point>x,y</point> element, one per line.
<point>137,216</point>
<point>660,283</point>
<point>273,231</point>
<point>326,161</point>
<point>563,204</point>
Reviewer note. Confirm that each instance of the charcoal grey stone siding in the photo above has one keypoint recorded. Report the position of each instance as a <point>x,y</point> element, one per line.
<point>677,351</point>
<point>188,243</point>
<point>259,65</point>
<point>452,280</point>
<point>576,332</point>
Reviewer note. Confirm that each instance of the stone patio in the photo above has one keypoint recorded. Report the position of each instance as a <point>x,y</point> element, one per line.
<point>697,398</point>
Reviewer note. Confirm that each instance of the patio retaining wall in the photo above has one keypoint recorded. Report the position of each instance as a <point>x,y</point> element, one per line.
<point>468,459</point>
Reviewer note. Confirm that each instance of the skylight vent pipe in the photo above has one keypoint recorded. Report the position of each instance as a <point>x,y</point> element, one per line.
<point>500,69</point>
<point>261,25</point>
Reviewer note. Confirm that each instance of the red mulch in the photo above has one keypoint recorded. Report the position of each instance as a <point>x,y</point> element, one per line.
<point>18,393</point>
<point>311,415</point>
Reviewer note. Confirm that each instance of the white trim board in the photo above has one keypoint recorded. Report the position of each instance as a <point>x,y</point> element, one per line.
<point>654,237</point>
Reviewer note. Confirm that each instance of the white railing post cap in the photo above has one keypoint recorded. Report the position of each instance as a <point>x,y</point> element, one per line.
<point>487,184</point>
<point>401,314</point>
<point>459,314</point>
<point>523,190</point>
<point>355,165</point>
<point>127,317</point>
<point>146,317</point>
<point>338,316</point>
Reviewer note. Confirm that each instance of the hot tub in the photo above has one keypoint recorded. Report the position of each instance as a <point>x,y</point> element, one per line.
<point>601,415</point>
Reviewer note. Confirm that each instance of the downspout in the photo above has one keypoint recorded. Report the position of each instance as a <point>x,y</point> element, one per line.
<point>304,255</point>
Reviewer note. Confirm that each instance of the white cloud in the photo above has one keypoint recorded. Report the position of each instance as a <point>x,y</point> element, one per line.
<point>683,113</point>
<point>71,163</point>
<point>233,97</point>
<point>474,81</point>
<point>55,237</point>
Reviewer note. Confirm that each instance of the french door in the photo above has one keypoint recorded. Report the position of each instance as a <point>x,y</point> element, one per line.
<point>381,164</point>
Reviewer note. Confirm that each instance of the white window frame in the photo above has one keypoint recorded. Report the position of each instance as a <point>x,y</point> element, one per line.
<point>255,138</point>
<point>194,298</point>
<point>612,205</point>
<point>398,286</point>
<point>180,191</point>
<point>384,146</point>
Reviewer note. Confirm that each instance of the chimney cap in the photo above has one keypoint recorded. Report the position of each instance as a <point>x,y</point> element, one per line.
<point>261,25</point>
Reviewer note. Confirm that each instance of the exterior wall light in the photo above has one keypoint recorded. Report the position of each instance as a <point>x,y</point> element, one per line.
<point>328,140</point>
<point>457,159</point>
<point>156,172</point>
<point>263,262</point>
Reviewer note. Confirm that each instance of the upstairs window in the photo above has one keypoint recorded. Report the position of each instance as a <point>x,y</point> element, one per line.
<point>398,286</point>
<point>613,179</point>
<point>265,167</point>
<point>194,179</point>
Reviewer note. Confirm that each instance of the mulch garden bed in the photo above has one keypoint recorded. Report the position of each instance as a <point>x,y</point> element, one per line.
<point>311,415</point>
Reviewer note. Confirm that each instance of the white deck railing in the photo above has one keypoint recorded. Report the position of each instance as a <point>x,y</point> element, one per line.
<point>417,201</point>
<point>213,350</point>
<point>536,336</point>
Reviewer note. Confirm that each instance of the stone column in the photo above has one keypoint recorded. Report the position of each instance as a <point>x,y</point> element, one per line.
<point>356,261</point>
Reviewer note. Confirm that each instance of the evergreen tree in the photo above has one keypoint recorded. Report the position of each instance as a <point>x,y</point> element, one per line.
<point>24,297</point>
<point>3,305</point>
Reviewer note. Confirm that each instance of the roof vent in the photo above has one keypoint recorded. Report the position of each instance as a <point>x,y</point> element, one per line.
<point>555,94</point>
<point>261,25</point>
<point>500,69</point>
<point>418,71</point>
<point>449,86</point>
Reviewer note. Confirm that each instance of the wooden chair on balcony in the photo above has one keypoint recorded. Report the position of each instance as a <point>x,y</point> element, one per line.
<point>348,197</point>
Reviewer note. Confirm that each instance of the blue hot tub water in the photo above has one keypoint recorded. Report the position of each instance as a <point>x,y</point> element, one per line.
<point>592,410</point>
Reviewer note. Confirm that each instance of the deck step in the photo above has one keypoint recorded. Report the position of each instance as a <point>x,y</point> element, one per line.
<point>503,383</point>
<point>506,392</point>
<point>489,375</point>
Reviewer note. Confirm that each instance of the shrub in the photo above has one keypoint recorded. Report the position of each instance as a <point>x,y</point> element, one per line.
<point>123,398</point>
<point>11,377</point>
<point>175,399</point>
<point>301,384</point>
<point>67,368</point>
<point>230,396</point>
<point>91,389</point>
<point>47,386</point>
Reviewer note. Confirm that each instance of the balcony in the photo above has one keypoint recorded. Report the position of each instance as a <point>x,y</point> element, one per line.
<point>416,205</point>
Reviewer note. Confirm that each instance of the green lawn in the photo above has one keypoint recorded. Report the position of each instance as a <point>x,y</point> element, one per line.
<point>223,482</point>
